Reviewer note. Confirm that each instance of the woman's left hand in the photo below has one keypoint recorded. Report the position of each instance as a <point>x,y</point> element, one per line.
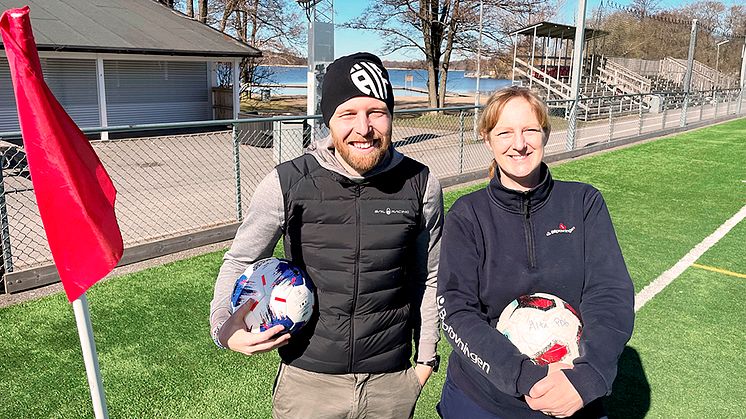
<point>554,395</point>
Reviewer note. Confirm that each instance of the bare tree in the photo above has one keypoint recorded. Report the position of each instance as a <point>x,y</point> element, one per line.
<point>202,8</point>
<point>666,32</point>
<point>735,30</point>
<point>735,21</point>
<point>654,37</point>
<point>438,28</point>
<point>709,14</point>
<point>273,26</point>
<point>644,7</point>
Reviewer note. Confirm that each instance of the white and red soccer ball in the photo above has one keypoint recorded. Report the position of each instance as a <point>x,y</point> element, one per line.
<point>278,293</point>
<point>542,326</point>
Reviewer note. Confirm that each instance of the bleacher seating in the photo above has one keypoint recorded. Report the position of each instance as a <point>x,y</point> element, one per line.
<point>614,90</point>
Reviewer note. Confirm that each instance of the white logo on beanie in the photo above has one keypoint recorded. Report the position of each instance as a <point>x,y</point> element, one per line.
<point>369,79</point>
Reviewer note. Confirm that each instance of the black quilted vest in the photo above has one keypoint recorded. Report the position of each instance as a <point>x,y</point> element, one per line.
<point>354,241</point>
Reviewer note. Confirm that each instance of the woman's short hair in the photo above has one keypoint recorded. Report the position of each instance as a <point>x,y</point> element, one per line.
<point>494,107</point>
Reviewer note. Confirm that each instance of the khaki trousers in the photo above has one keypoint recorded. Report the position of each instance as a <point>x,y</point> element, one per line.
<point>300,394</point>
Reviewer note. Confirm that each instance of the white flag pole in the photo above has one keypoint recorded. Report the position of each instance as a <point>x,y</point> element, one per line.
<point>90,357</point>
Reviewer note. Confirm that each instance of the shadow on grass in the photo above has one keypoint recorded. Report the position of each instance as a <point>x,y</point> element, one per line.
<point>630,396</point>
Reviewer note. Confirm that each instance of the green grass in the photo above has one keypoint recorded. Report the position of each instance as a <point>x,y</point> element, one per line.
<point>729,254</point>
<point>689,344</point>
<point>668,195</point>
<point>684,360</point>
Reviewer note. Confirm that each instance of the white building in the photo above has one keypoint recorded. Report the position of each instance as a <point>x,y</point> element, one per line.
<point>123,62</point>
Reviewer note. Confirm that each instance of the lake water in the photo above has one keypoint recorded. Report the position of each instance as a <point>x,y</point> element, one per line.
<point>457,82</point>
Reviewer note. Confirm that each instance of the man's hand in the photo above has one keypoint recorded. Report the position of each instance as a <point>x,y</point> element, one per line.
<point>233,335</point>
<point>554,395</point>
<point>423,372</point>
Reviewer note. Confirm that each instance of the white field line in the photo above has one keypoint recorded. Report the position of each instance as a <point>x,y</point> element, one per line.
<point>653,288</point>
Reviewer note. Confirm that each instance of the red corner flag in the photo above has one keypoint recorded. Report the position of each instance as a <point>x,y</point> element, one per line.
<point>74,193</point>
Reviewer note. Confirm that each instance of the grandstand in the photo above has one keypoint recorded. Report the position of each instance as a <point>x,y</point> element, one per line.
<point>542,60</point>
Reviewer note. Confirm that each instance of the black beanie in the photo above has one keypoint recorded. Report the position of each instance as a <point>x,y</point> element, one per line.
<point>359,74</point>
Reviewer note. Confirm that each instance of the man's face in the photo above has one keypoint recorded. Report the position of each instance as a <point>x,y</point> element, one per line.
<point>361,131</point>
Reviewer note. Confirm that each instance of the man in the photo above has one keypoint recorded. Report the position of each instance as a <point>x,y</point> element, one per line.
<point>364,222</point>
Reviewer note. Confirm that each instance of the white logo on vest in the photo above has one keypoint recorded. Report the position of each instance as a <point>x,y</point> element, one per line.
<point>369,79</point>
<point>389,211</point>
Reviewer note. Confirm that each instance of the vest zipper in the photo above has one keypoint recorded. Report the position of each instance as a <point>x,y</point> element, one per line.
<point>355,278</point>
<point>528,232</point>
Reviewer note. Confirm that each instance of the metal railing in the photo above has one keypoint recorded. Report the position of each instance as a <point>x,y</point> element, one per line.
<point>549,82</point>
<point>182,184</point>
<point>623,78</point>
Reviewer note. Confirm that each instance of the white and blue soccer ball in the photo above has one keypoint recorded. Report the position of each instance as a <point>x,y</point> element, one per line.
<point>278,293</point>
<point>542,326</point>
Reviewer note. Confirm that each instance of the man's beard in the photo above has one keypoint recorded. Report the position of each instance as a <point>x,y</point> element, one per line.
<point>363,162</point>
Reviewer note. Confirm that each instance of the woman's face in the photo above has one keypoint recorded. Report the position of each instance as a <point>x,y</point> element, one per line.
<point>517,142</point>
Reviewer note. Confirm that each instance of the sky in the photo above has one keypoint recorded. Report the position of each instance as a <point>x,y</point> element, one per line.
<point>347,41</point>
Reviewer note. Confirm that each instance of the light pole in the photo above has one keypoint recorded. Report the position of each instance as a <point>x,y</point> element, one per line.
<point>742,79</point>
<point>717,63</point>
<point>688,75</point>
<point>320,14</point>
<point>479,69</point>
<point>577,67</point>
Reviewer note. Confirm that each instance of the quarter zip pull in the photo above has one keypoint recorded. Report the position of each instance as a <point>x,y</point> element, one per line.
<point>528,231</point>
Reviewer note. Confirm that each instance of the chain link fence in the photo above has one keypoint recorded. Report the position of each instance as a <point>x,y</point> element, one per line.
<point>175,185</point>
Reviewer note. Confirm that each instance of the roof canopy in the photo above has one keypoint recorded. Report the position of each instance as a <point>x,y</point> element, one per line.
<point>124,27</point>
<point>556,30</point>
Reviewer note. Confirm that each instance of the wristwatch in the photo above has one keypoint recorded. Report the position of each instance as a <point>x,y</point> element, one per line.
<point>433,363</point>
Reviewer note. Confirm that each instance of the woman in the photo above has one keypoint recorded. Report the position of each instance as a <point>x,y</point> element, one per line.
<point>526,233</point>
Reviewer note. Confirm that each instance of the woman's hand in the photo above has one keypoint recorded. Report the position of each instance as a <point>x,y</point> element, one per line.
<point>554,395</point>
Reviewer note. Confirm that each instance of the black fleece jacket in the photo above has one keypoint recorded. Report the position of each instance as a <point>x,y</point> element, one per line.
<point>499,244</point>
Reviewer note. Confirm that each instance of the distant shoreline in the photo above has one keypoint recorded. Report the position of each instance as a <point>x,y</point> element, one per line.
<point>283,65</point>
<point>388,68</point>
<point>467,73</point>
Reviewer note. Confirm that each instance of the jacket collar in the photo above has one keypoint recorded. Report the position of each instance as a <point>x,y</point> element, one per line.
<point>519,201</point>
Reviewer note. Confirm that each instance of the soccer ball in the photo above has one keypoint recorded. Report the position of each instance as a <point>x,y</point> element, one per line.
<point>542,326</point>
<point>278,293</point>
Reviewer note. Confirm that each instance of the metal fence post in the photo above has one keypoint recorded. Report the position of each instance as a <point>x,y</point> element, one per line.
<point>570,142</point>
<point>237,171</point>
<point>611,126</point>
<point>4,229</point>
<point>701,110</point>
<point>461,146</point>
<point>740,98</point>
<point>684,107</point>
<point>639,117</point>
<point>663,117</point>
<point>278,140</point>
<point>717,103</point>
